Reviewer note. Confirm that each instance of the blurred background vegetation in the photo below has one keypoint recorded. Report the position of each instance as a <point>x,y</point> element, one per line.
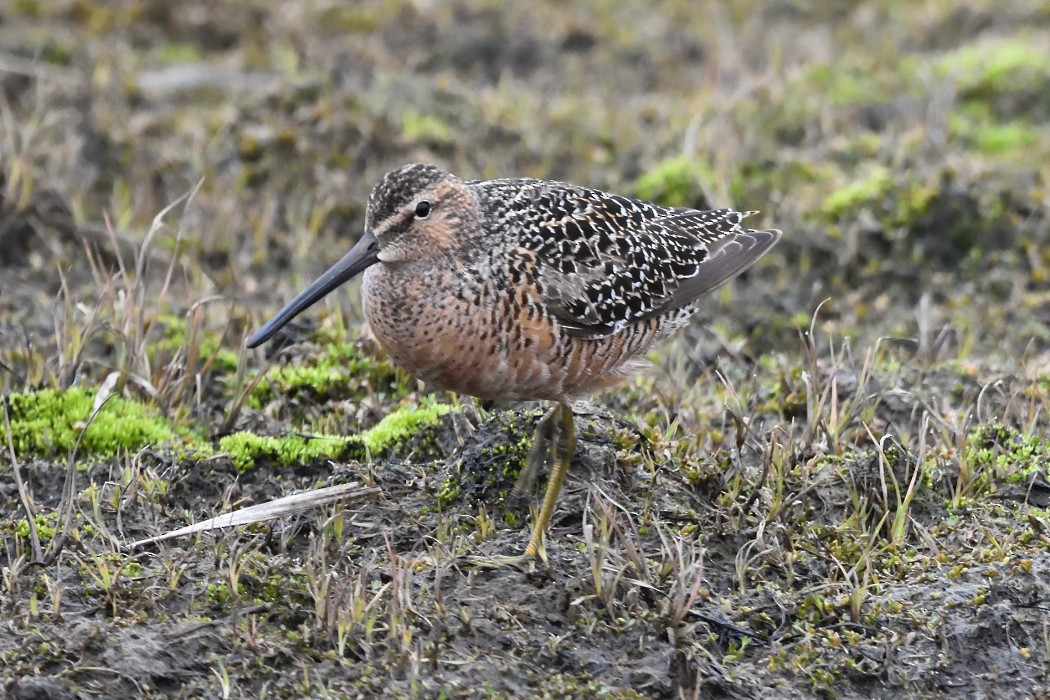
<point>835,483</point>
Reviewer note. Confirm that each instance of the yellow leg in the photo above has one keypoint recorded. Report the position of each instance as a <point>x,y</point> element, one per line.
<point>555,440</point>
<point>539,454</point>
<point>563,449</point>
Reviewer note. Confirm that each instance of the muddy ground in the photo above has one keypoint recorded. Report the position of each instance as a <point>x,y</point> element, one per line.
<point>833,483</point>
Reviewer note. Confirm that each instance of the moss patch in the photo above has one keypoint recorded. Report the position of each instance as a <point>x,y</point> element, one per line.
<point>863,191</point>
<point>426,129</point>
<point>1011,73</point>
<point>333,371</point>
<point>976,128</point>
<point>246,448</point>
<point>401,424</point>
<point>47,423</point>
<point>487,469</point>
<point>998,456</point>
<point>675,182</point>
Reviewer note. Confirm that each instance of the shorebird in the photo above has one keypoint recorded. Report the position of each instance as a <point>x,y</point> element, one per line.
<point>522,289</point>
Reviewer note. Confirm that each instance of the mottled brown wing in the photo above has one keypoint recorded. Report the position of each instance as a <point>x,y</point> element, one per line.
<point>606,261</point>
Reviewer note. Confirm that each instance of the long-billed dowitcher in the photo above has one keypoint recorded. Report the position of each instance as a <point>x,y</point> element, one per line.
<point>523,289</point>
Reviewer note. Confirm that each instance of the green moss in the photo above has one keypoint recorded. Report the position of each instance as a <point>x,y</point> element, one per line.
<point>402,424</point>
<point>177,53</point>
<point>755,183</point>
<point>997,454</point>
<point>676,182</point>
<point>869,189</point>
<point>488,471</point>
<point>225,359</point>
<point>895,200</point>
<point>337,371</point>
<point>975,128</point>
<point>173,339</point>
<point>985,68</point>
<point>842,85</point>
<point>219,593</point>
<point>851,82</point>
<point>47,423</point>
<point>245,449</point>
<point>426,129</point>
<point>28,7</point>
<point>45,528</point>
<point>348,19</point>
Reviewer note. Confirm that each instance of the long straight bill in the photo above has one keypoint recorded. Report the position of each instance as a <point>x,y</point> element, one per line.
<point>363,255</point>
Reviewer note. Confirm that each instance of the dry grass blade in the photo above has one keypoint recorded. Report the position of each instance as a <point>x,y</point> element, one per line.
<point>23,492</point>
<point>69,488</point>
<point>271,510</point>
<point>245,387</point>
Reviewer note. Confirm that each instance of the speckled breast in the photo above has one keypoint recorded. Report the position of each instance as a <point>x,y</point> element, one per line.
<point>486,339</point>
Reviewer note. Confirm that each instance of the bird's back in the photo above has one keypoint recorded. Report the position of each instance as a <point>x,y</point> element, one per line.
<point>603,262</point>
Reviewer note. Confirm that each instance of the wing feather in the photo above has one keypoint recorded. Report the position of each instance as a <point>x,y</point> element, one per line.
<point>605,262</point>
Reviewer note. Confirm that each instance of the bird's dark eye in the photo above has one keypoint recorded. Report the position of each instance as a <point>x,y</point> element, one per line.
<point>423,209</point>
